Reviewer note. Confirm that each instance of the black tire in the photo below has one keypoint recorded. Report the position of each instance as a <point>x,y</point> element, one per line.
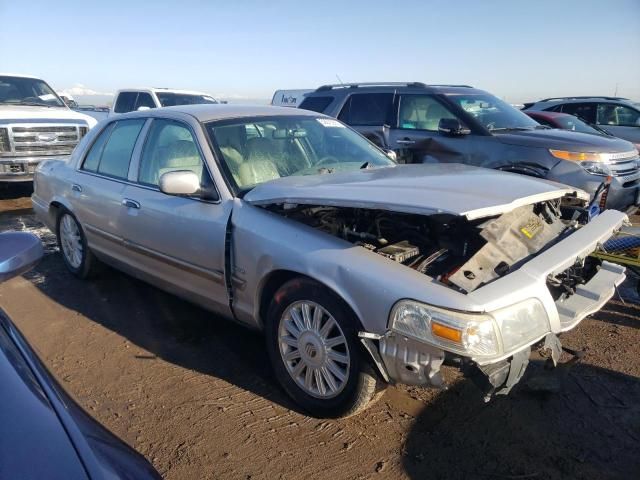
<point>361,387</point>
<point>89,264</point>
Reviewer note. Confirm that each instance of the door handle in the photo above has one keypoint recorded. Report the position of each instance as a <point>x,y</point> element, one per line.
<point>406,141</point>
<point>127,202</point>
<point>76,188</point>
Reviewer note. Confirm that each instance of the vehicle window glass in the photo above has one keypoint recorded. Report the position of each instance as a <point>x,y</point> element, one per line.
<point>492,113</point>
<point>544,121</point>
<point>288,146</point>
<point>567,122</point>
<point>27,91</point>
<point>116,154</point>
<point>170,146</point>
<point>144,100</point>
<point>422,112</point>
<point>316,104</point>
<point>617,115</point>
<point>171,99</point>
<point>92,159</point>
<point>364,109</point>
<point>125,102</point>
<point>585,111</point>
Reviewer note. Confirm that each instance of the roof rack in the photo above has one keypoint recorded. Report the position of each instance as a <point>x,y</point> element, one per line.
<point>448,85</point>
<point>371,84</point>
<point>583,97</point>
<point>383,84</point>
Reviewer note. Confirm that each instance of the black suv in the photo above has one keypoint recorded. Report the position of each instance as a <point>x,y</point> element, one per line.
<point>461,124</point>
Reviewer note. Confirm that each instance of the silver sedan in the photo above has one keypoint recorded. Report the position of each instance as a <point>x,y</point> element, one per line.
<point>360,272</point>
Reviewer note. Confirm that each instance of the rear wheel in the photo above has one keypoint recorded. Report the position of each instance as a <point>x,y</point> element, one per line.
<point>312,342</point>
<point>72,242</point>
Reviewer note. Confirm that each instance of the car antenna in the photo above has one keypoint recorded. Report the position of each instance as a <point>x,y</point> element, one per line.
<point>339,79</point>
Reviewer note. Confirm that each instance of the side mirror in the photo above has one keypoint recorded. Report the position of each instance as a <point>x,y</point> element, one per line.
<point>452,127</point>
<point>19,252</point>
<point>180,182</point>
<point>391,154</point>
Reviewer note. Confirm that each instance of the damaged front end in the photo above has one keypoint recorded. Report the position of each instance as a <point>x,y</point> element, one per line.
<point>529,268</point>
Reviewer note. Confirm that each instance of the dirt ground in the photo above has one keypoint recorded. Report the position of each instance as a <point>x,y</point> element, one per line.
<point>196,396</point>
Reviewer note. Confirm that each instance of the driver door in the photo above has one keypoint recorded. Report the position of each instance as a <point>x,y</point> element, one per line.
<point>415,137</point>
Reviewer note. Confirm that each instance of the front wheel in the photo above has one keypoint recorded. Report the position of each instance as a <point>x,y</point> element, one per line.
<point>312,342</point>
<point>72,242</point>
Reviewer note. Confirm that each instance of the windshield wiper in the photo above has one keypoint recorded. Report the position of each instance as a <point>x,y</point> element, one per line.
<point>512,129</point>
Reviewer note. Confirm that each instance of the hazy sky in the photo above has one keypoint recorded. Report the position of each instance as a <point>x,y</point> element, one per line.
<point>515,49</point>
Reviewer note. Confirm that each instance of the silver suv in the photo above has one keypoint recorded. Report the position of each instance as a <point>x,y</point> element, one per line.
<point>617,116</point>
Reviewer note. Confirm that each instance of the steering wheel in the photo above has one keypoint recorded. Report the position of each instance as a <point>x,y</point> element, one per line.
<point>325,160</point>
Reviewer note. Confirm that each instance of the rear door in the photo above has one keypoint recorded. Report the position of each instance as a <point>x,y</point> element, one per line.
<point>619,120</point>
<point>369,114</point>
<point>415,136</point>
<point>97,186</point>
<point>178,241</point>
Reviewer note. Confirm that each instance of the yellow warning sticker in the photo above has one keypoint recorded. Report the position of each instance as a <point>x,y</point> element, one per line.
<point>532,227</point>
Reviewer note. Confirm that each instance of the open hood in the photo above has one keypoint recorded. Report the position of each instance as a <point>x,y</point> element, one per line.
<point>420,189</point>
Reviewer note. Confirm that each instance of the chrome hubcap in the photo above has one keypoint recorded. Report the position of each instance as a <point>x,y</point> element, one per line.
<point>314,349</point>
<point>71,241</point>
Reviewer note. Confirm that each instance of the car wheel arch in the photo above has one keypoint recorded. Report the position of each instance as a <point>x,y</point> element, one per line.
<point>56,207</point>
<point>277,278</point>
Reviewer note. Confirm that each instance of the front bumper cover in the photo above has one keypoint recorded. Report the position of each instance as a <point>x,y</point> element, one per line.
<point>406,360</point>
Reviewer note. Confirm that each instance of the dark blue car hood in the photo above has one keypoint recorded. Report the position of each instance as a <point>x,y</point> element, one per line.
<point>565,140</point>
<point>33,441</point>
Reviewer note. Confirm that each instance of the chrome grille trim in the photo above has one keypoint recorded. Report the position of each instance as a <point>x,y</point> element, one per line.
<point>45,138</point>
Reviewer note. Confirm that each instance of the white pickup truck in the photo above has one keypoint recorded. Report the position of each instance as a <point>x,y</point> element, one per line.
<point>132,99</point>
<point>35,125</point>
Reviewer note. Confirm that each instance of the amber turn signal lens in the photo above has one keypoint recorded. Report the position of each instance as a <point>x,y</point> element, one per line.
<point>444,331</point>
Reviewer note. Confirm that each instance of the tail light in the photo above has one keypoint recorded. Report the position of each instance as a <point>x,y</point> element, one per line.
<point>4,140</point>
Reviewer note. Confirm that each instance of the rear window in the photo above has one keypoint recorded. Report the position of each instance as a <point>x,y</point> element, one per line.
<point>316,104</point>
<point>367,109</point>
<point>111,153</point>
<point>116,154</point>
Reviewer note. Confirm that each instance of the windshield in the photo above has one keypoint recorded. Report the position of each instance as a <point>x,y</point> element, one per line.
<point>570,122</point>
<point>170,99</point>
<point>27,91</point>
<point>257,150</point>
<point>493,113</point>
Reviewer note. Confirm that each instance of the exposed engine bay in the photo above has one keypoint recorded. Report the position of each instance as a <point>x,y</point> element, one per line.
<point>459,253</point>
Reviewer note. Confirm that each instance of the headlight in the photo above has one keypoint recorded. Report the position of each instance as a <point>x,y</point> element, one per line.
<point>469,334</point>
<point>597,168</point>
<point>592,162</point>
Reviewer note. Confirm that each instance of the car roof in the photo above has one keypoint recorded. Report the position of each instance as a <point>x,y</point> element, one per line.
<point>163,89</point>
<point>19,75</point>
<point>413,87</point>
<point>583,99</point>
<point>212,112</point>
